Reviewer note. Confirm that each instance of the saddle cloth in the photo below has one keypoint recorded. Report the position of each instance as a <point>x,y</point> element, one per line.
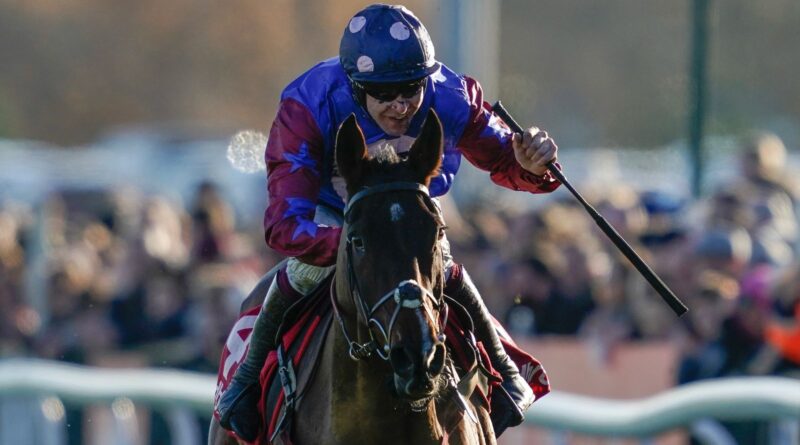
<point>305,326</point>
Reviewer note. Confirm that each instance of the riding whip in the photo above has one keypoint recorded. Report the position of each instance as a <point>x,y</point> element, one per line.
<point>669,297</point>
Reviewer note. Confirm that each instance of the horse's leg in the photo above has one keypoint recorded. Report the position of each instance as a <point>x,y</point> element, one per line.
<point>470,433</point>
<point>485,430</point>
<point>466,431</point>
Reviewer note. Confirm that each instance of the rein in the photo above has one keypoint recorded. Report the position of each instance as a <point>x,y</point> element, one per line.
<point>358,351</point>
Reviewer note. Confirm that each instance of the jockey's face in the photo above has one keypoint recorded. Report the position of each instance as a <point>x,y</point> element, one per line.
<point>394,116</point>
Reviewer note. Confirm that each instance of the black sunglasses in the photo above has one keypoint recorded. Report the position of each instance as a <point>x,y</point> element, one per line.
<point>387,92</point>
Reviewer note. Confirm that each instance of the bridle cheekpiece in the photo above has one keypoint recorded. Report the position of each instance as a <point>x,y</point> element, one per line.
<point>408,294</point>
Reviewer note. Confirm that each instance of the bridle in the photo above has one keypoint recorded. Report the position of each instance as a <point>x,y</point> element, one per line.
<point>398,295</point>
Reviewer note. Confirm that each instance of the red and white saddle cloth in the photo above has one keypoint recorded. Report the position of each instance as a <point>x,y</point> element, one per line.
<point>301,339</point>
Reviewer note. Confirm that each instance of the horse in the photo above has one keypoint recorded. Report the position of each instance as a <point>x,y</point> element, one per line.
<point>384,374</point>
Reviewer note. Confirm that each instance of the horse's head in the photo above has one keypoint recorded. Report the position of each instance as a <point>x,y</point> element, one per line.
<point>390,254</point>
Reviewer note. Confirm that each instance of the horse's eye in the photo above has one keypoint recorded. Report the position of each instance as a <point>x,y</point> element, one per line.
<point>357,242</point>
<point>441,232</point>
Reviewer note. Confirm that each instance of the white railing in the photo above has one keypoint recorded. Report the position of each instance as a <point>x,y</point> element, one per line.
<point>725,399</point>
<point>741,398</point>
<point>85,385</point>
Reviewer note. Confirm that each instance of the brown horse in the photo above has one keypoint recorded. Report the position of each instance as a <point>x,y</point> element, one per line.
<point>384,369</point>
<point>384,375</point>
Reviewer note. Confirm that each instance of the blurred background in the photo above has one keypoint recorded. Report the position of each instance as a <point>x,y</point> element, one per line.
<point>127,238</point>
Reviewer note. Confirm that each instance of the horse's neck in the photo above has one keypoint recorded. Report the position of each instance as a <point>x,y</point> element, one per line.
<point>356,403</point>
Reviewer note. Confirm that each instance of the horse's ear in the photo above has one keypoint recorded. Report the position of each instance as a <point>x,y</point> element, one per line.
<point>351,151</point>
<point>425,156</point>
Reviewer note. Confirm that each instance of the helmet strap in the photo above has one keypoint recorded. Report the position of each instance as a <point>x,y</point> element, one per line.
<point>359,95</point>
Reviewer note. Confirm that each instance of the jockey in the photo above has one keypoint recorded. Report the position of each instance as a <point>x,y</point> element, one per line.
<point>386,75</point>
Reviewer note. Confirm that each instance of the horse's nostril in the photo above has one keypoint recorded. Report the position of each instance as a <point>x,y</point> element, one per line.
<point>437,361</point>
<point>401,361</point>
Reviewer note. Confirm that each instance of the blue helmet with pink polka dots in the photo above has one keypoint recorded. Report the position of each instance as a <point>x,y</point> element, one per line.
<point>386,43</point>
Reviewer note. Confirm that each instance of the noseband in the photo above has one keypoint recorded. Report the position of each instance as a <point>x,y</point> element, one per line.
<point>358,351</point>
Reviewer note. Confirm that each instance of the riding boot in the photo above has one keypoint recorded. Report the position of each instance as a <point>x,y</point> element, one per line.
<point>238,406</point>
<point>515,395</point>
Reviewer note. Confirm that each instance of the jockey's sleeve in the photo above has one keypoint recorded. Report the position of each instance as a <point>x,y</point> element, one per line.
<point>294,157</point>
<point>486,143</point>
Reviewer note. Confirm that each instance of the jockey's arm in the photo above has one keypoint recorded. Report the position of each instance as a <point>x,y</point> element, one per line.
<point>487,144</point>
<point>294,157</point>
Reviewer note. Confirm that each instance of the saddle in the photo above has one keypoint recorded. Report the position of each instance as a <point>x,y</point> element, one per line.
<point>288,370</point>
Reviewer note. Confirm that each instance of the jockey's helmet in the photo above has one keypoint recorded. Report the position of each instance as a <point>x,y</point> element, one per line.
<point>386,44</point>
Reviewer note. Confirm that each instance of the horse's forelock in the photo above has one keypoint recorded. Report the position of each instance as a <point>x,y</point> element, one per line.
<point>386,154</point>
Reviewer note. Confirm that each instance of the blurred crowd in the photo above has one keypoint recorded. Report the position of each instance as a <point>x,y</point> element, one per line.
<point>125,278</point>
<point>118,278</point>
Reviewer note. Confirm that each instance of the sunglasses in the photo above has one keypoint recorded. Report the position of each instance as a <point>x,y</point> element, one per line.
<point>387,92</point>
